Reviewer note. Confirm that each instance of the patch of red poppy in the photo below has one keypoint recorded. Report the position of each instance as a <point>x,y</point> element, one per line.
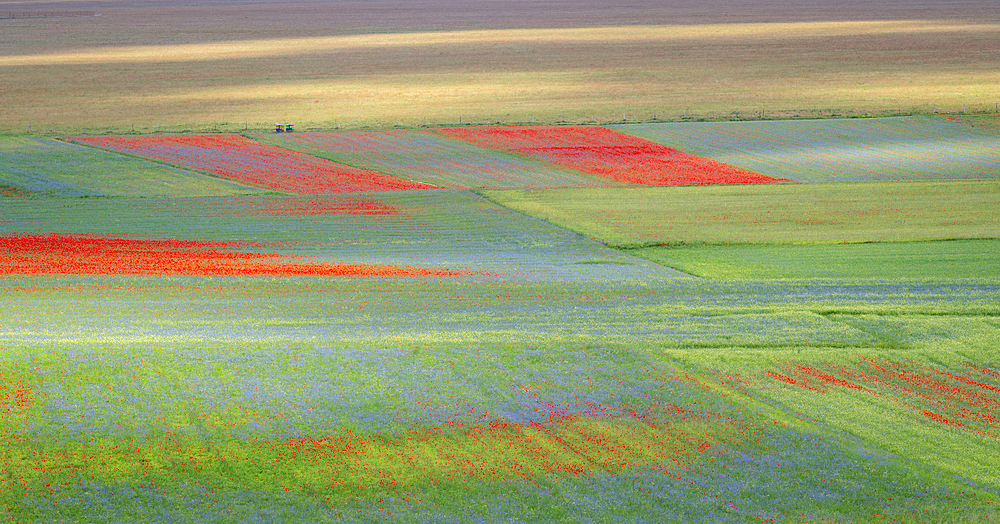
<point>242,159</point>
<point>81,255</point>
<point>827,378</point>
<point>944,420</point>
<point>13,396</point>
<point>9,191</point>
<point>985,371</point>
<point>608,154</point>
<point>790,380</point>
<point>916,386</point>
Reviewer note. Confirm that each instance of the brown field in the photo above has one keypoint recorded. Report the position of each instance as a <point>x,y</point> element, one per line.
<point>444,61</point>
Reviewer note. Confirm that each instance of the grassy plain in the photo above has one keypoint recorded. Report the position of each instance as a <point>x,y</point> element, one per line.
<point>769,213</point>
<point>193,67</point>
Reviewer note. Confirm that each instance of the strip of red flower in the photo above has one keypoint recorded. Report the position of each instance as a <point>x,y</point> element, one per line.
<point>8,191</point>
<point>608,154</point>
<point>79,255</point>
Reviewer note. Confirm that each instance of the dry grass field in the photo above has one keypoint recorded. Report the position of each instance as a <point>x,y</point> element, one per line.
<point>441,61</point>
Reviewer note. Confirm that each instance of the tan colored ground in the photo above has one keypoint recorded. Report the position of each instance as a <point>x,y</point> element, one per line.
<point>376,63</point>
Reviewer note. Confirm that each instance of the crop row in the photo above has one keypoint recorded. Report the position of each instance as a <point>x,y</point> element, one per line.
<point>967,401</point>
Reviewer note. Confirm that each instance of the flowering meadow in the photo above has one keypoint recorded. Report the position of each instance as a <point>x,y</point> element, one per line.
<point>346,348</point>
<point>865,149</point>
<point>236,158</point>
<point>432,158</point>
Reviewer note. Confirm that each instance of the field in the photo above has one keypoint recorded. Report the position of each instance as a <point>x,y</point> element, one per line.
<point>429,157</point>
<point>606,154</point>
<point>769,213</point>
<point>942,259</point>
<point>235,157</point>
<point>677,353</point>
<point>228,65</point>
<point>863,150</point>
<point>411,311</point>
<point>43,167</point>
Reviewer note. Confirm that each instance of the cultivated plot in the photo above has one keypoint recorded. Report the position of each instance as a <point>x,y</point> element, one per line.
<point>432,158</point>
<point>42,167</point>
<point>434,229</point>
<point>443,65</point>
<point>772,213</point>
<point>867,149</point>
<point>243,160</point>
<point>607,154</point>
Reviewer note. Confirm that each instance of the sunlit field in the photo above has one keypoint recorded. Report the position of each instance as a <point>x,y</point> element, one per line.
<point>412,74</point>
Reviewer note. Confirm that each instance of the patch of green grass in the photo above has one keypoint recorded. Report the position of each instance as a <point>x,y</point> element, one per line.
<point>772,213</point>
<point>956,259</point>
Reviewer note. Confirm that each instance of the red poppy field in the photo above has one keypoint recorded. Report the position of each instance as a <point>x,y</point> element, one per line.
<point>608,154</point>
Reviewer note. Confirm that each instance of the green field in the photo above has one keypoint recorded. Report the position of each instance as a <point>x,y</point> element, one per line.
<point>182,396</point>
<point>770,213</point>
<point>931,260</point>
